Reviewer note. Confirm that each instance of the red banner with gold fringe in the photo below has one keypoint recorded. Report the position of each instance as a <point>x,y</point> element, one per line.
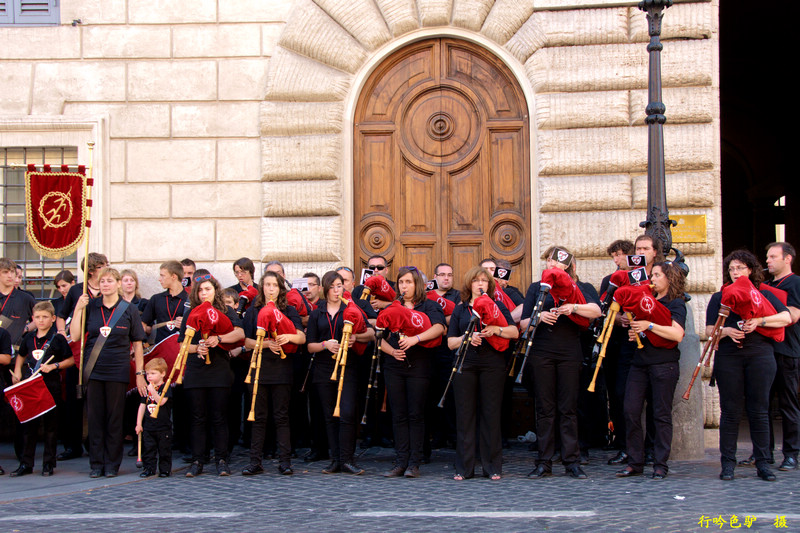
<point>55,209</point>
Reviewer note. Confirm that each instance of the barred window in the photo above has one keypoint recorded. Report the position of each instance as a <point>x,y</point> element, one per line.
<point>37,271</point>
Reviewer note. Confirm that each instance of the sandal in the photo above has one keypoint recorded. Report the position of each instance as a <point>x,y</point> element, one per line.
<point>458,477</point>
<point>495,477</point>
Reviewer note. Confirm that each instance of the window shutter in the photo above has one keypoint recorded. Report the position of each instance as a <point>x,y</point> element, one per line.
<point>6,12</point>
<point>39,12</point>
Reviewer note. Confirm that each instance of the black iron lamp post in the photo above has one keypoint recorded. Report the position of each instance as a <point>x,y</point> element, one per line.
<point>658,223</point>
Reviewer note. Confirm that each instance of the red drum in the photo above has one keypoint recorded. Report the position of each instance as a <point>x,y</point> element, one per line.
<point>30,398</point>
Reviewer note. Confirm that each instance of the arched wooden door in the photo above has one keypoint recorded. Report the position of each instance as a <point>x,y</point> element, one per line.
<point>441,161</point>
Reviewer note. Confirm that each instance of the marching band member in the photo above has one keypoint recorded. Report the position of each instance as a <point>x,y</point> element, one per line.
<point>113,326</point>
<point>207,386</point>
<point>478,390</point>
<point>556,362</point>
<point>276,376</point>
<point>744,365</point>
<point>324,333</point>
<point>245,271</point>
<point>408,371</point>
<point>130,290</point>
<point>655,367</point>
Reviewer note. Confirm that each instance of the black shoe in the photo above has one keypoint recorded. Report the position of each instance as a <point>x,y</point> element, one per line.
<point>365,443</point>
<point>620,459</point>
<point>649,458</point>
<point>751,461</point>
<point>628,472</point>
<point>222,468</point>
<point>195,470</point>
<point>112,473</point>
<point>789,463</point>
<point>68,454</point>
<point>539,472</point>
<point>766,474</point>
<point>397,471</point>
<point>333,468</point>
<point>2,471</point>
<point>412,472</point>
<point>96,473</point>
<point>164,474</point>
<point>252,469</point>
<point>386,443</point>
<point>584,460</point>
<point>147,473</point>
<point>22,470</point>
<point>314,455</point>
<point>727,473</point>
<point>133,452</point>
<point>285,470</point>
<point>556,457</point>
<point>659,474</point>
<point>576,472</point>
<point>47,470</point>
<point>352,468</point>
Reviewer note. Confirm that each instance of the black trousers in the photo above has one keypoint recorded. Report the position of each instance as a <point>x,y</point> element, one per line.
<point>557,382</point>
<point>615,370</point>
<point>157,447</point>
<point>662,379</point>
<point>478,393</point>
<point>71,414</point>
<point>341,430</point>
<point>237,407</point>
<point>407,390</point>
<point>787,381</point>
<point>749,377</point>
<point>30,429</point>
<point>105,409</point>
<point>441,421</point>
<point>278,396</point>
<point>208,408</point>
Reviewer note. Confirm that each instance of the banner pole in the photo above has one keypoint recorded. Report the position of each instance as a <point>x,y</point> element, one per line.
<point>86,260</point>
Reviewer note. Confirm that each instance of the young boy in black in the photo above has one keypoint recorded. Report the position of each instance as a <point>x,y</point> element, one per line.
<point>156,432</point>
<point>35,350</point>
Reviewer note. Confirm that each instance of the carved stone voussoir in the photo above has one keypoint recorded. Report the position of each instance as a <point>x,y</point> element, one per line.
<point>302,239</point>
<point>295,78</point>
<point>307,157</point>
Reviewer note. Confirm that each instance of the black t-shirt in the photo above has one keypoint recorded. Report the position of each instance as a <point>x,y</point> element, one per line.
<point>484,354</point>
<point>58,303</point>
<point>218,373</point>
<point>322,327</point>
<point>651,355</point>
<point>71,300</point>
<point>562,339</point>
<point>790,346</point>
<point>16,307</point>
<point>753,343</point>
<point>163,307</point>
<point>113,362</point>
<point>274,370</point>
<point>452,295</point>
<point>515,295</point>
<point>58,348</point>
<point>140,303</point>
<point>164,420</point>
<point>417,352</point>
<point>5,348</point>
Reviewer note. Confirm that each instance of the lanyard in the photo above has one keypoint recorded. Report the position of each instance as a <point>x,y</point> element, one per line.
<point>331,325</point>
<point>776,286</point>
<point>44,342</point>
<point>170,314</point>
<point>6,300</point>
<point>105,322</point>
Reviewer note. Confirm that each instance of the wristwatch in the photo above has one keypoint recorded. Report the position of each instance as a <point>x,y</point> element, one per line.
<point>650,327</point>
<point>575,309</point>
<point>764,322</point>
<point>140,373</point>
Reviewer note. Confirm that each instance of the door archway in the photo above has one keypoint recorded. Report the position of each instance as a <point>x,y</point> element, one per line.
<point>442,160</point>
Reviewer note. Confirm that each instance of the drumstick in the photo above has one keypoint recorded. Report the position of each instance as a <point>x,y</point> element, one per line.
<point>139,455</point>
<point>40,366</point>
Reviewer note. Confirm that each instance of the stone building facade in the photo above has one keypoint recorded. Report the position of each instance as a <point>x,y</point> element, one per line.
<point>224,128</point>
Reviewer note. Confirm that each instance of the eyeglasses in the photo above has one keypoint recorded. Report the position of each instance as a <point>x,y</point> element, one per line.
<point>412,268</point>
<point>344,268</point>
<point>377,267</point>
<point>205,277</point>
<point>737,268</point>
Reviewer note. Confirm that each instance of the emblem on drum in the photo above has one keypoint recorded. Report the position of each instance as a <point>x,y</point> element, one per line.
<point>16,403</point>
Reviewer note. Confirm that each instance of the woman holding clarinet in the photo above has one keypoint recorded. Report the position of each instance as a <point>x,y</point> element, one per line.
<point>478,388</point>
<point>744,365</point>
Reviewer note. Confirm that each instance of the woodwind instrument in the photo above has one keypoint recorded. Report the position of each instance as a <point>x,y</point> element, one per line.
<point>710,346</point>
<point>372,382</point>
<point>342,362</point>
<point>461,354</point>
<point>638,339</point>
<point>275,338</point>
<point>255,365</point>
<point>525,344</point>
<point>605,335</point>
<point>208,353</point>
<point>180,363</point>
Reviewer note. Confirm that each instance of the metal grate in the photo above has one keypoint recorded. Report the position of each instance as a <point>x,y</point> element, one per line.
<point>37,271</point>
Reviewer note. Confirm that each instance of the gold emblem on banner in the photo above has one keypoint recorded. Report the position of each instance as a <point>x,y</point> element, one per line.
<point>55,209</point>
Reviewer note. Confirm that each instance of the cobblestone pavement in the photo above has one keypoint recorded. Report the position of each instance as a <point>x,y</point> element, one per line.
<point>311,501</point>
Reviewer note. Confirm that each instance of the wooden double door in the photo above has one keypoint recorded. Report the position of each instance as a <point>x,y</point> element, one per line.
<point>442,161</point>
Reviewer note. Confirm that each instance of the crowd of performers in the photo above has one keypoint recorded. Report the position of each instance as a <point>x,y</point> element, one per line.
<point>403,361</point>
